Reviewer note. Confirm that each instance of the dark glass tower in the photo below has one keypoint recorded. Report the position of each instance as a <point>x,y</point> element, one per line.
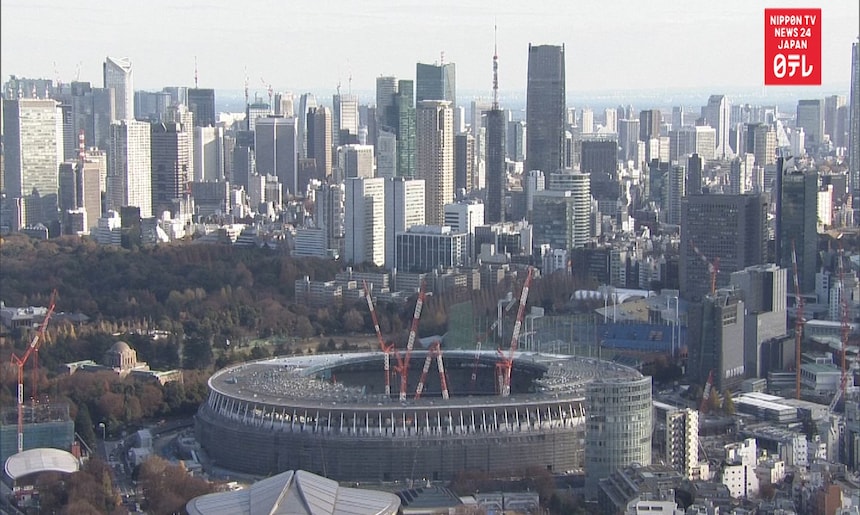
<point>201,102</point>
<point>798,223</point>
<point>404,102</point>
<point>436,82</point>
<point>496,132</point>
<point>545,108</point>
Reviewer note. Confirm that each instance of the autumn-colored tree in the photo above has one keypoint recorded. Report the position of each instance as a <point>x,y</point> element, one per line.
<point>167,487</point>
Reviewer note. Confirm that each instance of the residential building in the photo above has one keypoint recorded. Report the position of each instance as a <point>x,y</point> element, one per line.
<point>129,180</point>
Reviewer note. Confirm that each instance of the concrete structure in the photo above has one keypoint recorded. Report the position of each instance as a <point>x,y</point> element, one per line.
<point>319,140</point>
<point>717,114</point>
<point>716,340</point>
<point>496,171</point>
<point>436,82</point>
<point>344,119</point>
<point>275,148</point>
<point>545,108</point>
<point>364,228</point>
<point>798,226</point>
<point>33,151</point>
<point>464,216</point>
<point>810,117</point>
<point>297,493</point>
<point>129,180</point>
<point>738,471</point>
<point>286,413</point>
<point>764,289</point>
<point>36,461</point>
<point>201,102</point>
<point>354,161</point>
<point>618,427</point>
<point>404,208</point>
<point>210,154</point>
<point>118,77</point>
<point>45,425</point>
<point>692,140</point>
<point>562,219</point>
<point>434,156</point>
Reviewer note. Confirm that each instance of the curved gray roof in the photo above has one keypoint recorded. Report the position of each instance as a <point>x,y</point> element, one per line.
<point>33,461</point>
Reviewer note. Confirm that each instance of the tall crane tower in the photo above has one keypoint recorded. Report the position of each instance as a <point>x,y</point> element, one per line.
<point>506,362</point>
<point>403,365</point>
<point>387,349</point>
<point>798,321</point>
<point>435,351</point>
<point>496,323</point>
<point>19,362</point>
<point>713,266</point>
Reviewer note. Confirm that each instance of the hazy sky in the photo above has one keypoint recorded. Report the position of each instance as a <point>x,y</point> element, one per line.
<point>300,45</point>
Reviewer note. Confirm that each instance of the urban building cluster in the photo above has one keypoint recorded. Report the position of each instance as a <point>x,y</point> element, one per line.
<point>711,231</point>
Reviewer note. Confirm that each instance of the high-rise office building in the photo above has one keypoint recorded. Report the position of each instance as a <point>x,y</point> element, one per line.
<point>129,181</point>
<point>319,133</point>
<point>329,210</point>
<point>463,217</point>
<point>586,121</point>
<point>732,228</point>
<point>364,228</point>
<point>496,168</point>
<point>617,428</point>
<point>649,124</point>
<point>765,288</point>
<point>275,147</point>
<point>545,108</point>
<point>344,119</point>
<point>562,218</point>
<point>515,148</point>
<point>716,340</point>
<point>172,162</point>
<point>798,225</point>
<point>354,161</point>
<point>810,117</point>
<point>404,208</point>
<point>92,111</point>
<point>689,140</point>
<point>832,104</point>
<point>201,102</point>
<point>599,155</point>
<point>404,101</point>
<point>628,140</point>
<point>436,82</point>
<point>209,154</point>
<point>760,141</point>
<point>386,154</point>
<point>254,112</point>
<point>434,156</point>
<point>386,109</point>
<point>307,101</point>
<point>717,114</point>
<point>854,127</point>
<point>33,151</point>
<point>694,175</point>
<point>464,162</point>
<point>118,77</point>
<point>424,248</point>
<point>674,189</point>
<point>610,120</point>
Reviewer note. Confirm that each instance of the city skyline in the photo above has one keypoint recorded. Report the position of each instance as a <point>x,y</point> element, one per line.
<point>634,41</point>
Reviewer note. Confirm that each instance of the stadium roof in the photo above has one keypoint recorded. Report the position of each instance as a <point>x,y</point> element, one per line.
<point>33,461</point>
<point>295,493</point>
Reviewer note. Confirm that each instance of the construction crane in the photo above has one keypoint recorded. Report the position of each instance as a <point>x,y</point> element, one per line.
<point>486,335</point>
<point>246,87</point>
<point>403,365</point>
<point>19,362</point>
<point>798,321</point>
<point>271,92</point>
<point>435,351</point>
<point>706,392</point>
<point>506,362</point>
<point>387,349</point>
<point>713,266</point>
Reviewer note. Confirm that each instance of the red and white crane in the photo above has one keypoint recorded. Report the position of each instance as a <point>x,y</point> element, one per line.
<point>435,351</point>
<point>483,337</point>
<point>19,362</point>
<point>713,266</point>
<point>506,362</point>
<point>403,365</point>
<point>706,392</point>
<point>387,349</point>
<point>798,321</point>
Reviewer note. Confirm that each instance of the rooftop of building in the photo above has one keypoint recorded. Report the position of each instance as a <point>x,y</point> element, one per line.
<point>34,461</point>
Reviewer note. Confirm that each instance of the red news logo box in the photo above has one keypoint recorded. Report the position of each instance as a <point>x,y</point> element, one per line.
<point>792,47</point>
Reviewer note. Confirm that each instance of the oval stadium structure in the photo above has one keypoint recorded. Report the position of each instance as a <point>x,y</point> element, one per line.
<point>329,414</point>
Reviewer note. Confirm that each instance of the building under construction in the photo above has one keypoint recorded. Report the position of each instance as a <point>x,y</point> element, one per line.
<point>330,414</point>
<point>45,425</point>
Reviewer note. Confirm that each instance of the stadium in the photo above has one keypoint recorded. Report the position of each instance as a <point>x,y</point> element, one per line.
<point>329,414</point>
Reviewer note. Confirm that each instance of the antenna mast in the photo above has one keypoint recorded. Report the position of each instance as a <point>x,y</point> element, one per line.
<point>495,69</point>
<point>195,72</point>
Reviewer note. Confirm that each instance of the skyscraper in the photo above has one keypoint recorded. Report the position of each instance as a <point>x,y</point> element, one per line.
<point>694,175</point>
<point>810,116</point>
<point>404,101</point>
<point>365,226</point>
<point>562,218</point>
<point>319,140</point>
<point>854,127</point>
<point>545,108</point>
<point>717,114</point>
<point>464,162</point>
<point>33,146</point>
<point>732,228</point>
<point>129,181</point>
<point>404,208</point>
<point>275,146</point>
<point>798,224</point>
<point>436,82</point>
<point>628,140</point>
<point>354,161</point>
<point>716,336</point>
<point>688,140</point>
<point>344,119</point>
<point>434,156</point>
<point>209,154</point>
<point>496,168</point>
<point>172,163</point>
<point>306,102</point>
<point>201,102</point>
<point>649,124</point>
<point>386,110</point>
<point>118,77</point>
